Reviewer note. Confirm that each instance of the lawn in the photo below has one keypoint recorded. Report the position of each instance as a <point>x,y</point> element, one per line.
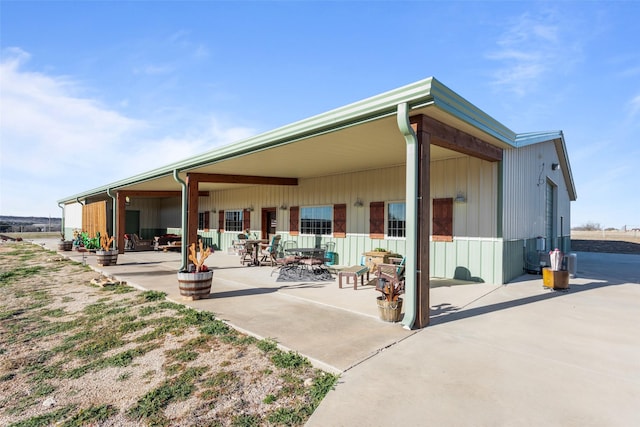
<point>76,353</point>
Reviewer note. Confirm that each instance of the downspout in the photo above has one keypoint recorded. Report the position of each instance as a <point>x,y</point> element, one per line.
<point>113,218</point>
<point>411,197</point>
<point>62,222</point>
<point>183,245</point>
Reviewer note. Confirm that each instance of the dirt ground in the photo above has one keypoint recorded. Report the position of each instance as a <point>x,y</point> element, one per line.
<point>617,242</point>
<point>77,350</point>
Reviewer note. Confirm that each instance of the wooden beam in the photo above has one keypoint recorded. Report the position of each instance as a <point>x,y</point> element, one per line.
<point>242,179</point>
<point>453,139</point>
<point>120,225</point>
<point>192,211</point>
<point>424,215</point>
<point>157,194</point>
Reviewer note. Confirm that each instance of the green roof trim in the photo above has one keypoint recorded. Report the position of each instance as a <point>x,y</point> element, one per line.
<point>417,95</point>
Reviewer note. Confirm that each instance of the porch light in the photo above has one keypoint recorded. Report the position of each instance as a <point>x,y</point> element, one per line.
<point>283,207</point>
<point>555,166</point>
<point>460,198</point>
<point>358,203</point>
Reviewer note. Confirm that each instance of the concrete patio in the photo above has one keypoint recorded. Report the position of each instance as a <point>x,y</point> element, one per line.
<point>516,355</point>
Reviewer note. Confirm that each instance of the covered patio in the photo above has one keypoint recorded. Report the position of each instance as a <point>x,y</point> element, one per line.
<point>335,328</point>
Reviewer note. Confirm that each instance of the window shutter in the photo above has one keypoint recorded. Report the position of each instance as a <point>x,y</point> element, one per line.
<point>442,220</point>
<point>294,216</point>
<point>206,221</point>
<point>246,219</point>
<point>221,221</point>
<point>340,220</point>
<point>376,220</point>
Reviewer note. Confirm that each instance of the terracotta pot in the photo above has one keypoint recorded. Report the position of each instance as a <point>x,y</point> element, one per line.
<point>195,286</point>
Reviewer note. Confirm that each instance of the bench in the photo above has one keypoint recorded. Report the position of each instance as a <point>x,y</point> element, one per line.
<point>354,271</point>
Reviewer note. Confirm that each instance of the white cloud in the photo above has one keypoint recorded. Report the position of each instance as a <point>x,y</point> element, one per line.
<point>55,143</point>
<point>532,48</point>
<point>634,106</point>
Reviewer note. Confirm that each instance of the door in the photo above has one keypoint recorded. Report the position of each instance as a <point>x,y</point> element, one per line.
<point>132,222</point>
<point>269,222</point>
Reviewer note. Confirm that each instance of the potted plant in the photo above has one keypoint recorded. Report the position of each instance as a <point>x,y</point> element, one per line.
<point>195,283</point>
<point>390,282</point>
<point>106,256</point>
<point>64,245</point>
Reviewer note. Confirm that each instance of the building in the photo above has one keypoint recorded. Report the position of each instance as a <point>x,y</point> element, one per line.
<point>417,170</point>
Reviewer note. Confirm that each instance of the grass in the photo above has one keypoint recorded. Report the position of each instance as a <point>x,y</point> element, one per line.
<point>49,340</point>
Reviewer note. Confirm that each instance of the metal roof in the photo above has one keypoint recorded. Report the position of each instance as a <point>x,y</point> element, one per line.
<point>359,136</point>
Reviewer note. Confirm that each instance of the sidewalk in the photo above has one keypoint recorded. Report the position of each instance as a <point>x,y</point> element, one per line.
<point>514,355</point>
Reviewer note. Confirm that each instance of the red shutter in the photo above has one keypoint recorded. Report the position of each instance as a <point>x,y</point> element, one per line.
<point>340,220</point>
<point>206,221</point>
<point>376,220</point>
<point>294,216</point>
<point>246,219</point>
<point>221,221</point>
<point>442,220</point>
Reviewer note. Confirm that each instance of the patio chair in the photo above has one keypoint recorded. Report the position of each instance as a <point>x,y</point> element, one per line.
<point>391,274</point>
<point>138,244</point>
<point>270,252</point>
<point>246,253</point>
<point>238,245</point>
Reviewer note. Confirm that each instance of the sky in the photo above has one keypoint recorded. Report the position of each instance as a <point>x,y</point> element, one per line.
<point>92,92</point>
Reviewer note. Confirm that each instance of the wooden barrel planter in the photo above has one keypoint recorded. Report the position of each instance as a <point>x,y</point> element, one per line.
<point>195,286</point>
<point>65,245</point>
<point>390,311</point>
<point>106,258</point>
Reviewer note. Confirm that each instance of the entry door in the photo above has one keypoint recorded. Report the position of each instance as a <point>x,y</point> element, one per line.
<point>132,222</point>
<point>550,215</point>
<point>269,222</point>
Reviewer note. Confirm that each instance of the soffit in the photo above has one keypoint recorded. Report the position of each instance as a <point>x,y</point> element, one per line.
<point>372,145</point>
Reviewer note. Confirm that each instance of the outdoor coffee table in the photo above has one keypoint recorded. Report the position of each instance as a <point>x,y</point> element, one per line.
<point>354,271</point>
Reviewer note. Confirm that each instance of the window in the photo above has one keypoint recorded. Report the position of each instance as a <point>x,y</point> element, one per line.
<point>233,221</point>
<point>396,220</point>
<point>203,220</point>
<point>442,220</point>
<point>316,220</point>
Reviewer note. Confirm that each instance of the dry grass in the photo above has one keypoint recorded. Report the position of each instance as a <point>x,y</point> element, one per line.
<point>626,242</point>
<point>73,353</point>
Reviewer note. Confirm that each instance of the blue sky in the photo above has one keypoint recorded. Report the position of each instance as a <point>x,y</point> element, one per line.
<point>95,91</point>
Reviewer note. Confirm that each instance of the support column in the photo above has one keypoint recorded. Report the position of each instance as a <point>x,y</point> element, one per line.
<point>121,216</point>
<point>424,217</point>
<point>192,210</point>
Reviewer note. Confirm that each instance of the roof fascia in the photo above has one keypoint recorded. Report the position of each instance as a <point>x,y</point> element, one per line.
<point>557,137</point>
<point>457,106</point>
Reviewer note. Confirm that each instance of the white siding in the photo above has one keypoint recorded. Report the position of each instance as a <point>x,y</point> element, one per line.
<point>73,216</point>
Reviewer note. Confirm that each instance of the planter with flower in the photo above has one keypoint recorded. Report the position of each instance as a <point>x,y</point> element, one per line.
<point>106,256</point>
<point>390,282</point>
<point>195,283</point>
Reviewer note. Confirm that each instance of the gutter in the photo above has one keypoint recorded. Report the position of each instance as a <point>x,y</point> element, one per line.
<point>183,240</point>
<point>61,206</point>
<point>411,197</point>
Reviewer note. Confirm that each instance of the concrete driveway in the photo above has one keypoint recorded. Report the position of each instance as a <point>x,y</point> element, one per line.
<point>513,355</point>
